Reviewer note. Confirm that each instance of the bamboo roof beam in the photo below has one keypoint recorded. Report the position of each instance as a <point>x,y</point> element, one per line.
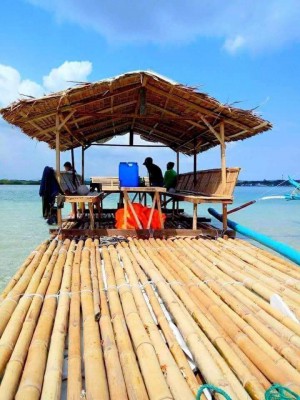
<point>71,134</point>
<point>199,108</point>
<point>144,81</point>
<point>212,130</point>
<point>254,129</point>
<point>159,134</point>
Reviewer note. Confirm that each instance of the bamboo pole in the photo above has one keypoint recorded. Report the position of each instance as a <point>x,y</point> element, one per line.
<point>286,321</point>
<point>14,326</point>
<point>253,281</point>
<point>74,341</point>
<point>279,344</point>
<point>256,266</point>
<point>236,385</point>
<point>95,284</point>
<point>153,377</point>
<point>257,300</point>
<point>265,255</point>
<point>14,368</point>
<point>13,281</point>
<point>33,373</point>
<point>53,373</point>
<point>275,341</point>
<point>177,384</point>
<point>256,382</point>
<point>248,380</point>
<point>290,373</point>
<point>133,378</point>
<point>10,302</point>
<point>116,382</point>
<point>174,346</point>
<point>203,358</point>
<point>95,377</point>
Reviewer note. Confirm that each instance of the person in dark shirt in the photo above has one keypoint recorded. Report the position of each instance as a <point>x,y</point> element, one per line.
<point>155,174</point>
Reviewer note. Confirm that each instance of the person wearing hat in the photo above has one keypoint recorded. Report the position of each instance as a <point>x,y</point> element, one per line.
<point>170,178</point>
<point>155,174</point>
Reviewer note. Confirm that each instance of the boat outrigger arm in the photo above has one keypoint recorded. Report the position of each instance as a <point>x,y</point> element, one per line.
<point>294,195</point>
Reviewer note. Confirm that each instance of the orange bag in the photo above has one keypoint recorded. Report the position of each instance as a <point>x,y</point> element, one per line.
<point>142,213</point>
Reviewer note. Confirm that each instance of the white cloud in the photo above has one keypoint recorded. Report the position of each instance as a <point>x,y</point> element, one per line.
<point>254,25</point>
<point>233,45</point>
<point>13,87</point>
<point>62,77</point>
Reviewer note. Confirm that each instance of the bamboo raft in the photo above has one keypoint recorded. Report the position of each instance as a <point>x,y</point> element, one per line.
<point>148,319</point>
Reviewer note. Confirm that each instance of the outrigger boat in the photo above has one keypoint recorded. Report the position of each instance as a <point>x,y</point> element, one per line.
<point>295,195</point>
<point>147,313</point>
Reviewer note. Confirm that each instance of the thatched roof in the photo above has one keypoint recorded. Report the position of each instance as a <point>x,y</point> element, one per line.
<point>156,108</point>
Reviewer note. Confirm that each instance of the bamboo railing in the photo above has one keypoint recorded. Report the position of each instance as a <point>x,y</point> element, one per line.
<point>149,320</point>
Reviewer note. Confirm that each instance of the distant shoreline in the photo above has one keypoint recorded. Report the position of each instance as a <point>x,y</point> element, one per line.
<point>265,182</point>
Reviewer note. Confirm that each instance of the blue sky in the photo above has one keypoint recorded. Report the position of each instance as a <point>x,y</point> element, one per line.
<point>242,50</point>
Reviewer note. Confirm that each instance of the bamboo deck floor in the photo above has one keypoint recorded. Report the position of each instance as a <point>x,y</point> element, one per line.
<point>148,319</point>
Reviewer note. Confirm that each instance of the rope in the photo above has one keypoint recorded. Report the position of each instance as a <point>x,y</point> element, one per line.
<point>279,392</point>
<point>213,389</point>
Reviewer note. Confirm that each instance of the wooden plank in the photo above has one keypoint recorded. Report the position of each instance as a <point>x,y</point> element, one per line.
<point>204,229</point>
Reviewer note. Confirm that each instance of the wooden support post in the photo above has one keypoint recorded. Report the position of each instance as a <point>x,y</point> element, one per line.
<point>82,164</point>
<point>223,155</point>
<point>92,217</point>
<point>59,217</point>
<point>177,161</point>
<point>195,162</point>
<point>154,199</point>
<point>131,137</point>
<point>224,206</point>
<point>73,166</point>
<point>158,201</point>
<point>195,216</point>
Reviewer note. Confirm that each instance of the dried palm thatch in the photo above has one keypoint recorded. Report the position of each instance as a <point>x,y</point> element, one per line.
<point>152,106</point>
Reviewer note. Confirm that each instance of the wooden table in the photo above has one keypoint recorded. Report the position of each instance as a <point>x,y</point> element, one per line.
<point>152,190</point>
<point>92,199</point>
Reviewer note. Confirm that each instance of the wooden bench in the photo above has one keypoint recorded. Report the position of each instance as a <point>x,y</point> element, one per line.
<point>69,183</point>
<point>206,188</point>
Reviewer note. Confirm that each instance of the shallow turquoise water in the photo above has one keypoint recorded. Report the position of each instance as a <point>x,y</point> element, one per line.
<point>22,227</point>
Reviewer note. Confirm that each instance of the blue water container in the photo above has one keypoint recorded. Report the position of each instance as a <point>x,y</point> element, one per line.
<point>129,174</point>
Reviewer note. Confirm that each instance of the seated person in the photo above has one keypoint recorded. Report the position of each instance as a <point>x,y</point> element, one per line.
<point>170,178</point>
<point>70,180</point>
<point>155,174</point>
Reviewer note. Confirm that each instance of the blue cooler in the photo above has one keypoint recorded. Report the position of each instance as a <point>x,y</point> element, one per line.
<point>129,174</point>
